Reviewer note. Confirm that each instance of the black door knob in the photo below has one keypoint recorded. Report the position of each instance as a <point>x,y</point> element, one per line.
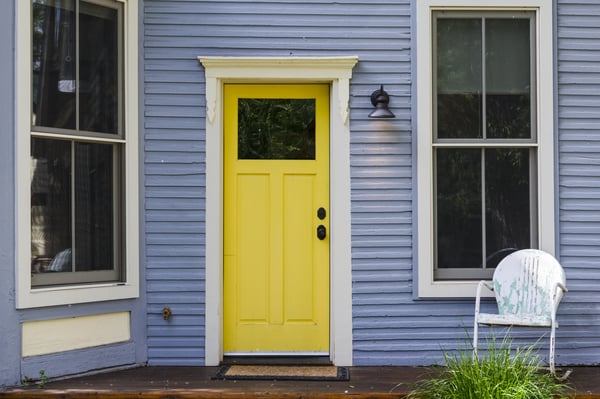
<point>321,232</point>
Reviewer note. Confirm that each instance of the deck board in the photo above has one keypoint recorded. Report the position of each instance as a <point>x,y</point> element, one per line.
<point>195,382</point>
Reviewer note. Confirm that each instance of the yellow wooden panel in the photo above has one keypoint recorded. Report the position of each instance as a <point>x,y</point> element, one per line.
<point>299,231</point>
<point>252,265</point>
<point>59,335</point>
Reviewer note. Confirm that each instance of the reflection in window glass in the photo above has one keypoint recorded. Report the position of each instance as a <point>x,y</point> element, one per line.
<point>484,188</point>
<point>459,208</point>
<point>54,64</point>
<point>459,78</point>
<point>508,207</point>
<point>98,69</point>
<point>58,245</point>
<point>51,218</point>
<point>75,66</point>
<point>276,128</point>
<point>508,80</point>
<point>462,217</point>
<point>94,197</point>
<point>460,106</point>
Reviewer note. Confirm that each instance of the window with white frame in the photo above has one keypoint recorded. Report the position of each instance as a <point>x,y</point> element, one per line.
<point>79,116</point>
<point>484,148</point>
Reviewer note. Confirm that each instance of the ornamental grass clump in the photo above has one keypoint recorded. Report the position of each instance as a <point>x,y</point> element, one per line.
<point>501,373</point>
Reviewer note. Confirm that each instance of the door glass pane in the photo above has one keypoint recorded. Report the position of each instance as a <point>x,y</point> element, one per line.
<point>98,69</point>
<point>276,128</point>
<point>508,78</point>
<point>54,63</point>
<point>459,82</point>
<point>508,207</point>
<point>50,206</point>
<point>94,206</point>
<point>458,188</point>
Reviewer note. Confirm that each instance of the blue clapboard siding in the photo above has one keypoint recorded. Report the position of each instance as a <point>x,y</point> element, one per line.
<point>390,326</point>
<point>578,31</point>
<point>175,33</point>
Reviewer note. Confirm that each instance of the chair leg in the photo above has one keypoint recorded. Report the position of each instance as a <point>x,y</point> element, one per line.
<point>551,358</point>
<point>475,338</point>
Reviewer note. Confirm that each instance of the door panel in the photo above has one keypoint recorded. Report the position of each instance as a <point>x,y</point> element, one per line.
<point>276,173</point>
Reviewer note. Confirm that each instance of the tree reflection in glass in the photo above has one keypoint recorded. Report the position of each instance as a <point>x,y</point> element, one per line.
<point>276,128</point>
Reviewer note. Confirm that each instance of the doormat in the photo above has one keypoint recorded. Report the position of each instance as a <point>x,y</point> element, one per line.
<point>283,373</point>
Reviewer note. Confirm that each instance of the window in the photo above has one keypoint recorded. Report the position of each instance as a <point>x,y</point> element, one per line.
<point>484,150</point>
<point>78,149</point>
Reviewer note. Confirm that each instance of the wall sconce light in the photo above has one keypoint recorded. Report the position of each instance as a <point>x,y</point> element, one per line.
<point>380,100</point>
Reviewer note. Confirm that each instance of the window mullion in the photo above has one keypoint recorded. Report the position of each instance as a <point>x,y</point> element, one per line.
<point>483,81</point>
<point>483,213</point>
<point>484,134</point>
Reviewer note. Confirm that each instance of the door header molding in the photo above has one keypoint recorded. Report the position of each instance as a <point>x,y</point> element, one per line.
<point>275,69</point>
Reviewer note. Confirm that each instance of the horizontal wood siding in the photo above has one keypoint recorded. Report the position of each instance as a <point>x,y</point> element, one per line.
<point>390,325</point>
<point>578,31</point>
<point>175,186</point>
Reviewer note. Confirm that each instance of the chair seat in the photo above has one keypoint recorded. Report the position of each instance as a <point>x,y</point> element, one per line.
<point>514,320</point>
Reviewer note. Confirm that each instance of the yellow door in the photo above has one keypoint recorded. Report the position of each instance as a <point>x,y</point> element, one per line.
<point>276,219</point>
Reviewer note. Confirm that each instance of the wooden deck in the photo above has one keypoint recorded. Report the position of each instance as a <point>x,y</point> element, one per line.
<point>196,382</point>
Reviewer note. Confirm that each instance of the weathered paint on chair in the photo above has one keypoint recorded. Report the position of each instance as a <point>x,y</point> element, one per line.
<point>529,285</point>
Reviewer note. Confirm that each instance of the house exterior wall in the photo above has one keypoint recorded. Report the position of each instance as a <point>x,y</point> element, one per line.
<point>9,320</point>
<point>55,359</point>
<point>175,34</point>
<point>578,79</point>
<point>391,325</point>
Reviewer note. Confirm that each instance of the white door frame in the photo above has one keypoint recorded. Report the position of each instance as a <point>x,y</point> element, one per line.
<point>336,71</point>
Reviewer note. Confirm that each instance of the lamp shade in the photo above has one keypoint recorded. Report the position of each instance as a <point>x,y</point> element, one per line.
<point>380,100</point>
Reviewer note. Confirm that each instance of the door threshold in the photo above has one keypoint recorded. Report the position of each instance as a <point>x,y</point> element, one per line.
<point>274,360</point>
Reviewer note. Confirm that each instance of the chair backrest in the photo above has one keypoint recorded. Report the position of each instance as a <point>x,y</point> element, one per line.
<point>524,282</point>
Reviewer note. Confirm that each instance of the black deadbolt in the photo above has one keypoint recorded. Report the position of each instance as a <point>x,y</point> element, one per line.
<point>321,213</point>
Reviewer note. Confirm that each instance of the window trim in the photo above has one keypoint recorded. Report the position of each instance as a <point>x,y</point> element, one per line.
<point>427,286</point>
<point>26,295</point>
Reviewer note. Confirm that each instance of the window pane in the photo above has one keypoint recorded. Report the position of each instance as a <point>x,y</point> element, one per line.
<point>50,205</point>
<point>508,78</point>
<point>98,68</point>
<point>459,84</point>
<point>508,207</point>
<point>276,128</point>
<point>94,209</point>
<point>459,242</point>
<point>54,60</point>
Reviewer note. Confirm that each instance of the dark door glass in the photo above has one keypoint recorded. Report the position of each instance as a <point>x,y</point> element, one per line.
<point>276,128</point>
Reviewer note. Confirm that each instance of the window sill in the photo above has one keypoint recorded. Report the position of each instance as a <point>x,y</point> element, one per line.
<point>455,289</point>
<point>67,295</point>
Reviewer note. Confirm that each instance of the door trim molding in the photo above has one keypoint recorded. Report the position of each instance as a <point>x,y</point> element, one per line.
<point>336,71</point>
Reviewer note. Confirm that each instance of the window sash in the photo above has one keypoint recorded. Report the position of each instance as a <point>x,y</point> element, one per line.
<point>481,141</point>
<point>120,95</point>
<point>77,204</point>
<point>483,16</point>
<point>76,136</point>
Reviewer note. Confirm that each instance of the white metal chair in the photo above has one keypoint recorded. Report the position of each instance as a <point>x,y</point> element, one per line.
<point>529,285</point>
